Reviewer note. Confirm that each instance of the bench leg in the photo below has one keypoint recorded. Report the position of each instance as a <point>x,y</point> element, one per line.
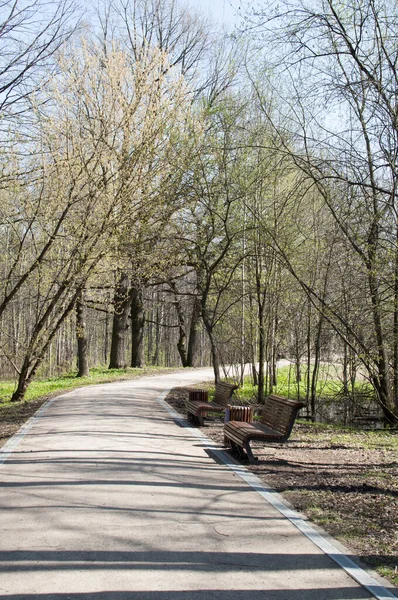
<point>252,459</point>
<point>233,448</point>
<point>242,454</point>
<point>237,450</point>
<point>195,419</point>
<point>227,442</point>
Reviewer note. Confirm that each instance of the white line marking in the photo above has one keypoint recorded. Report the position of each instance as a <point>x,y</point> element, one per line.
<point>13,442</point>
<point>361,576</point>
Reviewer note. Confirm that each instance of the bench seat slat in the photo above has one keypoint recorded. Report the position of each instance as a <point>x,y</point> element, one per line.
<point>252,431</point>
<point>198,407</point>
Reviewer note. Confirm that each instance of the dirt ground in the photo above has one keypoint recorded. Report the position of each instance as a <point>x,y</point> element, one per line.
<point>13,416</point>
<point>344,480</point>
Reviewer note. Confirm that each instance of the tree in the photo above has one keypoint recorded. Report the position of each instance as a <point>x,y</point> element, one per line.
<point>98,138</point>
<point>207,229</point>
<point>182,38</point>
<point>341,59</point>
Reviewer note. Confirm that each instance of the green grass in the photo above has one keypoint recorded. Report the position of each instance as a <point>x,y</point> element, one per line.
<point>390,573</point>
<point>52,385</point>
<point>247,392</point>
<point>329,385</point>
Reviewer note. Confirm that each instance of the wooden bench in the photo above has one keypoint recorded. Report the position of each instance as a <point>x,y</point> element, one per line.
<point>198,410</point>
<point>275,425</point>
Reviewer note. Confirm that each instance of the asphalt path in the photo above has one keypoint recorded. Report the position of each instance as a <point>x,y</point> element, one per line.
<point>105,495</point>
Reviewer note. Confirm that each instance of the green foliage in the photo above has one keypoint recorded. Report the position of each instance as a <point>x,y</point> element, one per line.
<point>48,387</point>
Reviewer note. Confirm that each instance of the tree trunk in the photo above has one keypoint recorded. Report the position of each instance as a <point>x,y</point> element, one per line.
<point>214,351</point>
<point>158,334</point>
<point>274,373</point>
<point>182,347</point>
<point>315,372</point>
<point>308,375</point>
<point>395,330</point>
<point>261,355</point>
<point>353,371</point>
<point>182,336</point>
<point>82,341</point>
<point>253,343</point>
<point>383,398</point>
<point>23,382</point>
<point>381,378</point>
<point>120,323</point>
<point>137,328</point>
<point>193,335</point>
<point>297,355</point>
<point>149,348</point>
<point>346,391</point>
<point>215,358</point>
<point>106,341</point>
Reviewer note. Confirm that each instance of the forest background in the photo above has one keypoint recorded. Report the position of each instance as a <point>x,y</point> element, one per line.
<point>176,196</point>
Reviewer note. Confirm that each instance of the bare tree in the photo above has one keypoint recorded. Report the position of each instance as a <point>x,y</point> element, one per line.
<point>30,35</point>
<point>340,109</point>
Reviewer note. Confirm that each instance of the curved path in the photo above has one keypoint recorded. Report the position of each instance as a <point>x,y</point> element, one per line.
<point>105,496</point>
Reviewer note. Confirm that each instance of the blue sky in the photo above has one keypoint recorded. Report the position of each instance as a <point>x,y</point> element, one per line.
<point>224,11</point>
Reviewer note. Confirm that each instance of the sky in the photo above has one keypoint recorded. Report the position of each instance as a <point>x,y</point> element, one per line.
<point>225,12</point>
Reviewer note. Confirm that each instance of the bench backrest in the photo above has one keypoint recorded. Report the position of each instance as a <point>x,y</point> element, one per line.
<point>280,413</point>
<point>224,392</point>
